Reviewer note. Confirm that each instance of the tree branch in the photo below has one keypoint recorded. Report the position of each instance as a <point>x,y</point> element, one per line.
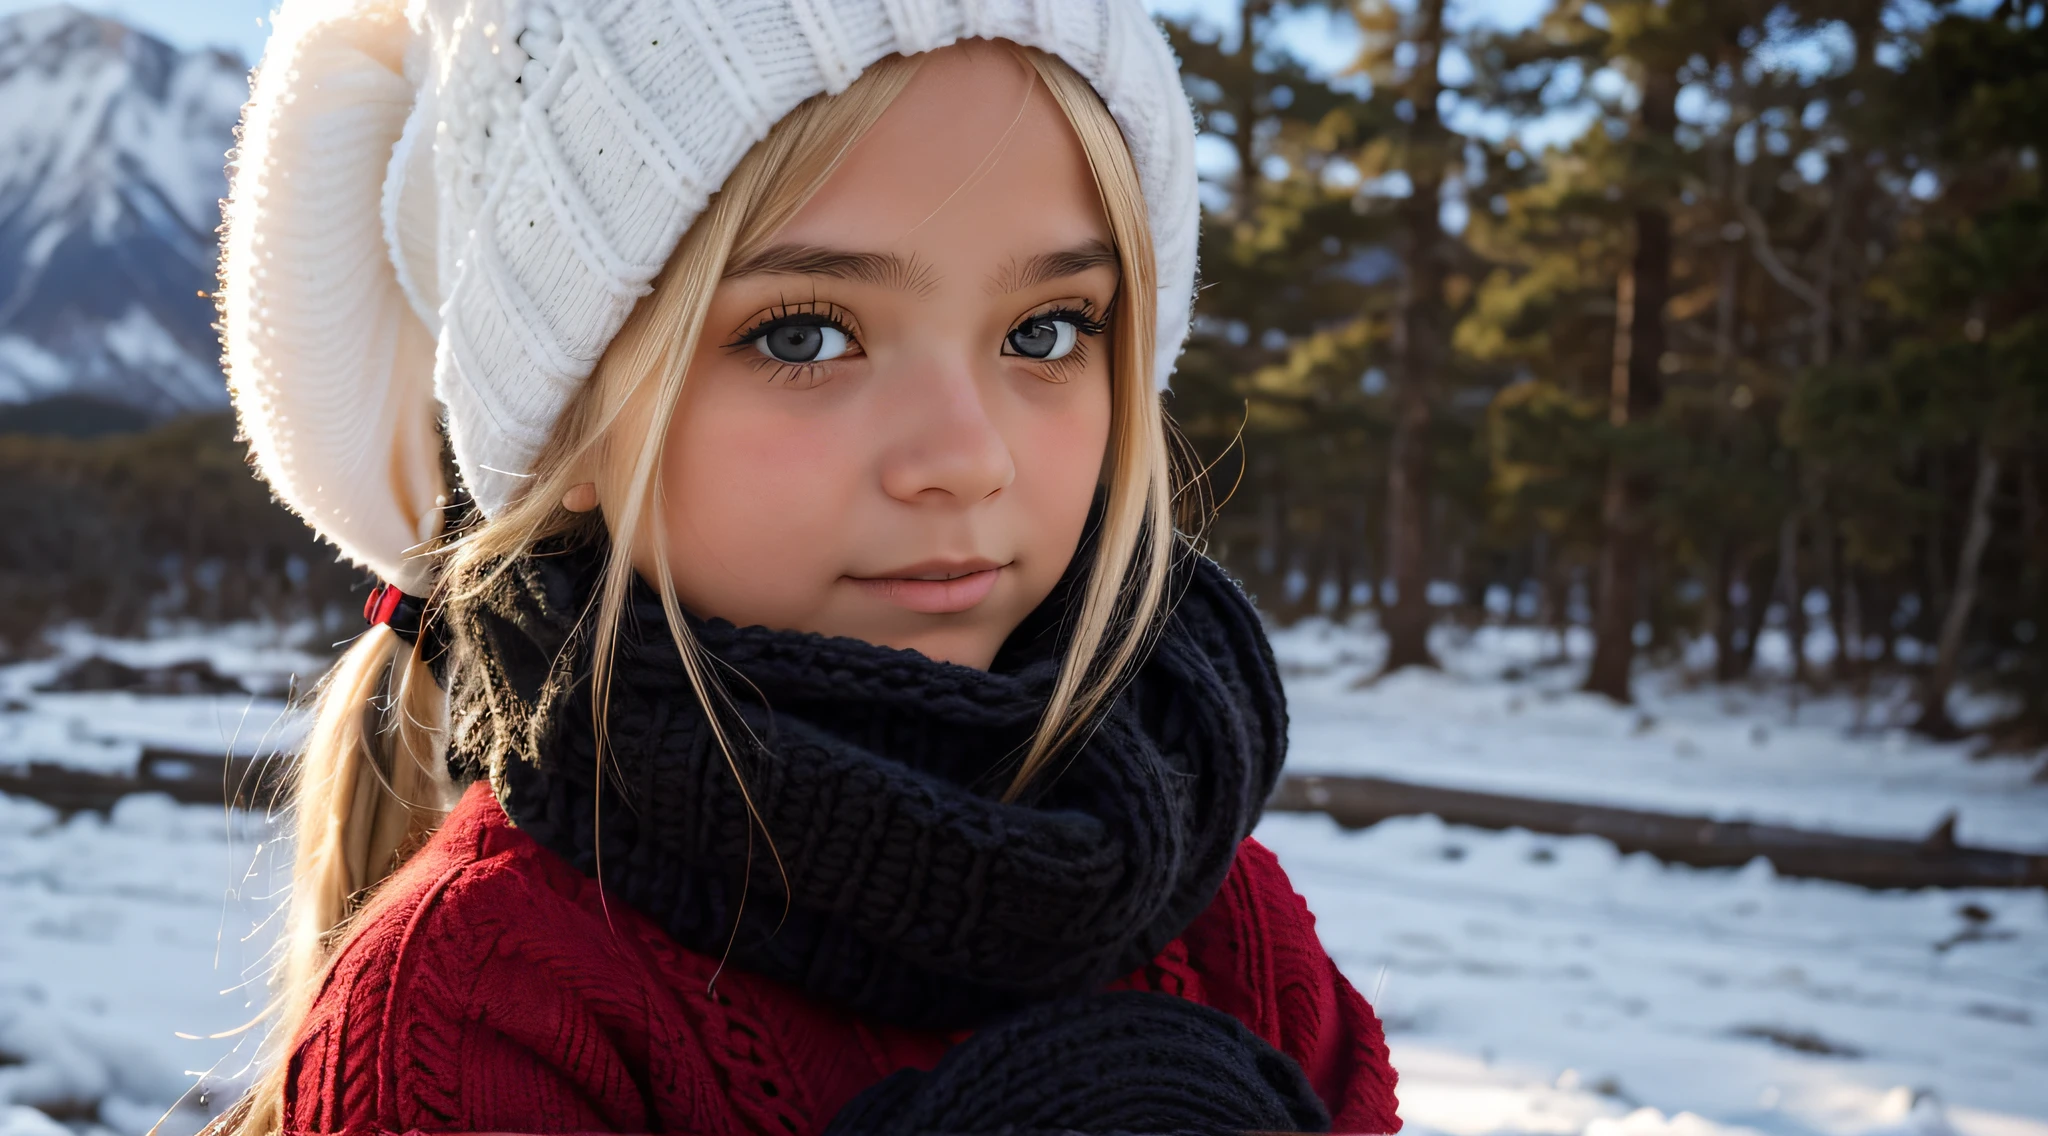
<point>1760,243</point>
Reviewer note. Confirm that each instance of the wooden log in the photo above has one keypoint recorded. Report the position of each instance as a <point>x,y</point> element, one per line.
<point>1354,802</point>
<point>190,778</point>
<point>1937,861</point>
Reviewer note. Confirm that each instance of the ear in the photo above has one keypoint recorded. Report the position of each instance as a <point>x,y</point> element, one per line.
<point>580,498</point>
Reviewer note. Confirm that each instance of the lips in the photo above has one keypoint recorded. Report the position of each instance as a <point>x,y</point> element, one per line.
<point>934,587</point>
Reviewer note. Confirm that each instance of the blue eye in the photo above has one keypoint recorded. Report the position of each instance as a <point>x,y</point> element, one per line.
<point>804,342</point>
<point>1044,339</point>
<point>1051,336</point>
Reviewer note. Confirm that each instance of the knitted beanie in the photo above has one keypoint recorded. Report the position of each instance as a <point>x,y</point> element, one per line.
<point>449,207</point>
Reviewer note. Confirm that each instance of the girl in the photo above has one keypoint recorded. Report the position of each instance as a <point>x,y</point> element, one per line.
<point>811,719</point>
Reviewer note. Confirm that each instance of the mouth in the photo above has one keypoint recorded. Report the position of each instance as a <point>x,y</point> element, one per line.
<point>934,587</point>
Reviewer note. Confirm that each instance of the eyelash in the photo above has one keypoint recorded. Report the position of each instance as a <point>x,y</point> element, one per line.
<point>821,314</point>
<point>818,313</point>
<point>1085,322</point>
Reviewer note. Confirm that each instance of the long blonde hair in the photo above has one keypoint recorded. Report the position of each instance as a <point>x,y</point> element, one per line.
<point>371,784</point>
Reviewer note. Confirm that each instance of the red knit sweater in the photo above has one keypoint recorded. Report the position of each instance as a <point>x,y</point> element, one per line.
<point>494,989</point>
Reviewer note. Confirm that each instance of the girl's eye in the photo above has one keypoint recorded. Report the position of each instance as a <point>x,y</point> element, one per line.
<point>1044,338</point>
<point>802,342</point>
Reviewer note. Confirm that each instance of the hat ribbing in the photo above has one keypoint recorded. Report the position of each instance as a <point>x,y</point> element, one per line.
<point>463,201</point>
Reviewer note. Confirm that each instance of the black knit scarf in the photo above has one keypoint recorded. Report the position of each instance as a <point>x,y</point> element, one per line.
<point>913,895</point>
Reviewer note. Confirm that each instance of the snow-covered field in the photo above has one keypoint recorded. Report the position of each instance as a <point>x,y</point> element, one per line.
<point>1530,984</point>
<point>1688,747</point>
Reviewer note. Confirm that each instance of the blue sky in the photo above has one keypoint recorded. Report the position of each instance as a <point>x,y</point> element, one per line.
<point>241,24</point>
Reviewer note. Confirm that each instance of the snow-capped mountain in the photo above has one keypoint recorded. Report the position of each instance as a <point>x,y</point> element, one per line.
<point>112,149</point>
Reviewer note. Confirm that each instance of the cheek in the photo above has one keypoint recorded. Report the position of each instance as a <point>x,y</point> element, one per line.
<point>1061,440</point>
<point>753,496</point>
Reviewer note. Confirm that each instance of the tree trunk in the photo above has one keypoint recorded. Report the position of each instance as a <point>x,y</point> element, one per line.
<point>1842,618</point>
<point>1557,607</point>
<point>1266,568</point>
<point>1332,568</point>
<point>1821,351</point>
<point>1888,627</point>
<point>1934,565</point>
<point>1791,592</point>
<point>1731,560</point>
<point>1372,570</point>
<point>1344,564</point>
<point>1722,572</point>
<point>1851,202</point>
<point>1756,606</point>
<point>1637,391</point>
<point>1934,718</point>
<point>1421,345</point>
<point>2031,527</point>
<point>1614,613</point>
<point>1245,141</point>
<point>1652,611</point>
<point>1852,599</point>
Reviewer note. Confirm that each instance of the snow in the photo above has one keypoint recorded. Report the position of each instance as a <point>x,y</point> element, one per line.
<point>1530,984</point>
<point>138,342</point>
<point>120,936</point>
<point>115,148</point>
<point>1537,984</point>
<point>27,372</point>
<point>1731,753</point>
<point>90,103</point>
<point>106,731</point>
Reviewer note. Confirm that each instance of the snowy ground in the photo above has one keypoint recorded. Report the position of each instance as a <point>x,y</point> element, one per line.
<point>105,731</point>
<point>1689,747</point>
<point>1530,984</point>
<point>126,941</point>
<point>1549,985</point>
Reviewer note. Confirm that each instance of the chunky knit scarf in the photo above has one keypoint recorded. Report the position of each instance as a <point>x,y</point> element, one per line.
<point>898,885</point>
<point>1099,1063</point>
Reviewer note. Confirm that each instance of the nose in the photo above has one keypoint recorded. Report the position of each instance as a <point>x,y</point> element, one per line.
<point>945,445</point>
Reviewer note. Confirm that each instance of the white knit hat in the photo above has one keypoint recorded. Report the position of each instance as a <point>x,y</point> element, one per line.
<point>461,200</point>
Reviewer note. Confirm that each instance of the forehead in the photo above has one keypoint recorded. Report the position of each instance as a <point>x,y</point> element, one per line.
<point>974,164</point>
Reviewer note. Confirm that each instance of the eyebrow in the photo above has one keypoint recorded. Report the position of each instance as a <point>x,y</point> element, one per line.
<point>883,269</point>
<point>889,270</point>
<point>1084,257</point>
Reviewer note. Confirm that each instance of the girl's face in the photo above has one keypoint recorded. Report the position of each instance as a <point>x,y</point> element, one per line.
<point>897,412</point>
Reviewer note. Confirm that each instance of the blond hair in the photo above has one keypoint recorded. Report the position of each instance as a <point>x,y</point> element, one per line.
<point>371,784</point>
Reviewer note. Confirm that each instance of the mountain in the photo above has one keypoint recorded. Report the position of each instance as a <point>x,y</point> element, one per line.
<point>112,152</point>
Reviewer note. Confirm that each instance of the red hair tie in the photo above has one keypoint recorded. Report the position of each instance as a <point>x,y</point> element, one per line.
<point>397,610</point>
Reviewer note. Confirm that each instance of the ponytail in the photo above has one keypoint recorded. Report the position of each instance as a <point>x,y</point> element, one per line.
<point>369,787</point>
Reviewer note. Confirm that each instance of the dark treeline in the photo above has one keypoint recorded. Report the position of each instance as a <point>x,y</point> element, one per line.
<point>108,524</point>
<point>1764,344</point>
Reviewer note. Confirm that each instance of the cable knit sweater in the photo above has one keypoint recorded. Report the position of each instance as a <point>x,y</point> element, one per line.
<point>493,988</point>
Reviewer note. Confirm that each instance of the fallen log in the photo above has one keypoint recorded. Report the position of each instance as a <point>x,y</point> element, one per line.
<point>1936,861</point>
<point>190,778</point>
<point>1354,802</point>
